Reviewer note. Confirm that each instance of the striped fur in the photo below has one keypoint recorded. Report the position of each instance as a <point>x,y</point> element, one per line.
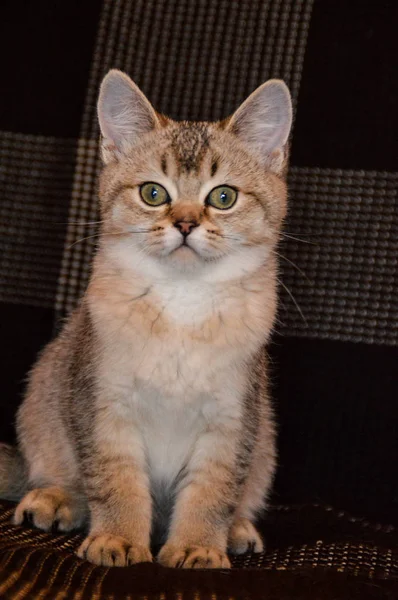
<point>149,415</point>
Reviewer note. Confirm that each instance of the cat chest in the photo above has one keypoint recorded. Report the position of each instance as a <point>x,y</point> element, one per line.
<point>170,431</point>
<point>173,365</point>
<point>171,346</point>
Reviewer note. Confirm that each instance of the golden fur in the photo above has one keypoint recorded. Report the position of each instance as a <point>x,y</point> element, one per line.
<point>149,417</point>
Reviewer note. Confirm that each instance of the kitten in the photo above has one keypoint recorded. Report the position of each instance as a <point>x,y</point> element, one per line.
<point>149,413</point>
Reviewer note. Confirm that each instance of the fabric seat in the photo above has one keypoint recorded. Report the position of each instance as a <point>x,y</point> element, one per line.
<point>313,552</point>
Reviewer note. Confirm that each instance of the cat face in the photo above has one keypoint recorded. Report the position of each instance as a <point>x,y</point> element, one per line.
<point>187,196</point>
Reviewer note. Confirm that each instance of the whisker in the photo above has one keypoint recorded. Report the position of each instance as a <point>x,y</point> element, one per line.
<point>294,300</point>
<point>298,233</point>
<point>86,222</point>
<point>104,234</point>
<point>292,237</point>
<point>98,235</point>
<point>79,223</point>
<point>293,265</point>
<point>89,237</point>
<point>230,237</point>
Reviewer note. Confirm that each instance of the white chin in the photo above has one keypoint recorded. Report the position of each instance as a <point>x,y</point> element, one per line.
<point>184,255</point>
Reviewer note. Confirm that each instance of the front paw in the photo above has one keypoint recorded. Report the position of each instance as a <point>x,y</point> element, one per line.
<point>193,557</point>
<point>112,551</point>
<point>51,508</point>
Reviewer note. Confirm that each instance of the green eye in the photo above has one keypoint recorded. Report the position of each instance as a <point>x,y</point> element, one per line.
<point>154,194</point>
<point>222,197</point>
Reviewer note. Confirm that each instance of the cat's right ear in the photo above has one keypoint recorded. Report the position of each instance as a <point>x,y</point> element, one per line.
<point>124,114</point>
<point>263,123</point>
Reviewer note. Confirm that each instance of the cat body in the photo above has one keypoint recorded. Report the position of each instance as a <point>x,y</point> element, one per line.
<point>148,417</point>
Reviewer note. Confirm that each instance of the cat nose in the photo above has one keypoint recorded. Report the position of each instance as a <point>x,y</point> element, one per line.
<point>185,227</point>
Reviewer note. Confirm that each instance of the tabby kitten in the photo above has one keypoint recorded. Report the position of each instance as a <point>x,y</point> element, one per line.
<point>148,417</point>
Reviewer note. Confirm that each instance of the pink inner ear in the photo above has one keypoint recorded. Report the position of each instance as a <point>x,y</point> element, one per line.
<point>263,121</point>
<point>124,113</point>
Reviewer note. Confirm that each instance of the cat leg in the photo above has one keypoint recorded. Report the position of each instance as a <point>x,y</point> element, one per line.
<point>52,508</point>
<point>55,499</point>
<point>243,535</point>
<point>206,501</point>
<point>118,492</point>
<point>120,515</point>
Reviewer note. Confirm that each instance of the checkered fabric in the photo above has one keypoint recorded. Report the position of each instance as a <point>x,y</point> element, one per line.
<point>334,354</point>
<point>213,60</point>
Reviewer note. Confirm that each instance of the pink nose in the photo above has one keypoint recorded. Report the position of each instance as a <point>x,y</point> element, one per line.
<point>185,227</point>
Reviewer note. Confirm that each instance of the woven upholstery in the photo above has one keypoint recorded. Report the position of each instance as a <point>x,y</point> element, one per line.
<point>305,541</point>
<point>335,349</point>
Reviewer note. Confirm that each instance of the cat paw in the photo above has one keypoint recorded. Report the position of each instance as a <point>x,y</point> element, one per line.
<point>193,557</point>
<point>50,508</point>
<point>112,551</point>
<point>244,537</point>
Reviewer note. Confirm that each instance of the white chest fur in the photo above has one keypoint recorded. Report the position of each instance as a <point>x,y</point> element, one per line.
<point>179,338</point>
<point>174,356</point>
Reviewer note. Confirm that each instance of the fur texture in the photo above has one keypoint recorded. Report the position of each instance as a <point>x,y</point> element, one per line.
<point>149,417</point>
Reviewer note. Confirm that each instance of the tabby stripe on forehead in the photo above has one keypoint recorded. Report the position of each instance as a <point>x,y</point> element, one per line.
<point>189,143</point>
<point>163,164</point>
<point>214,167</point>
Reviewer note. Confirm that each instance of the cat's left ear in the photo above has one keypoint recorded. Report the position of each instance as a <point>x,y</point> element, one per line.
<point>263,123</point>
<point>124,114</point>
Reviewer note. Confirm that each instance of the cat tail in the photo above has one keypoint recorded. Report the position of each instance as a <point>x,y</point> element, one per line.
<point>13,473</point>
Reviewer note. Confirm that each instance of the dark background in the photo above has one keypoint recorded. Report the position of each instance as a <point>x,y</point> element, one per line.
<point>334,372</point>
